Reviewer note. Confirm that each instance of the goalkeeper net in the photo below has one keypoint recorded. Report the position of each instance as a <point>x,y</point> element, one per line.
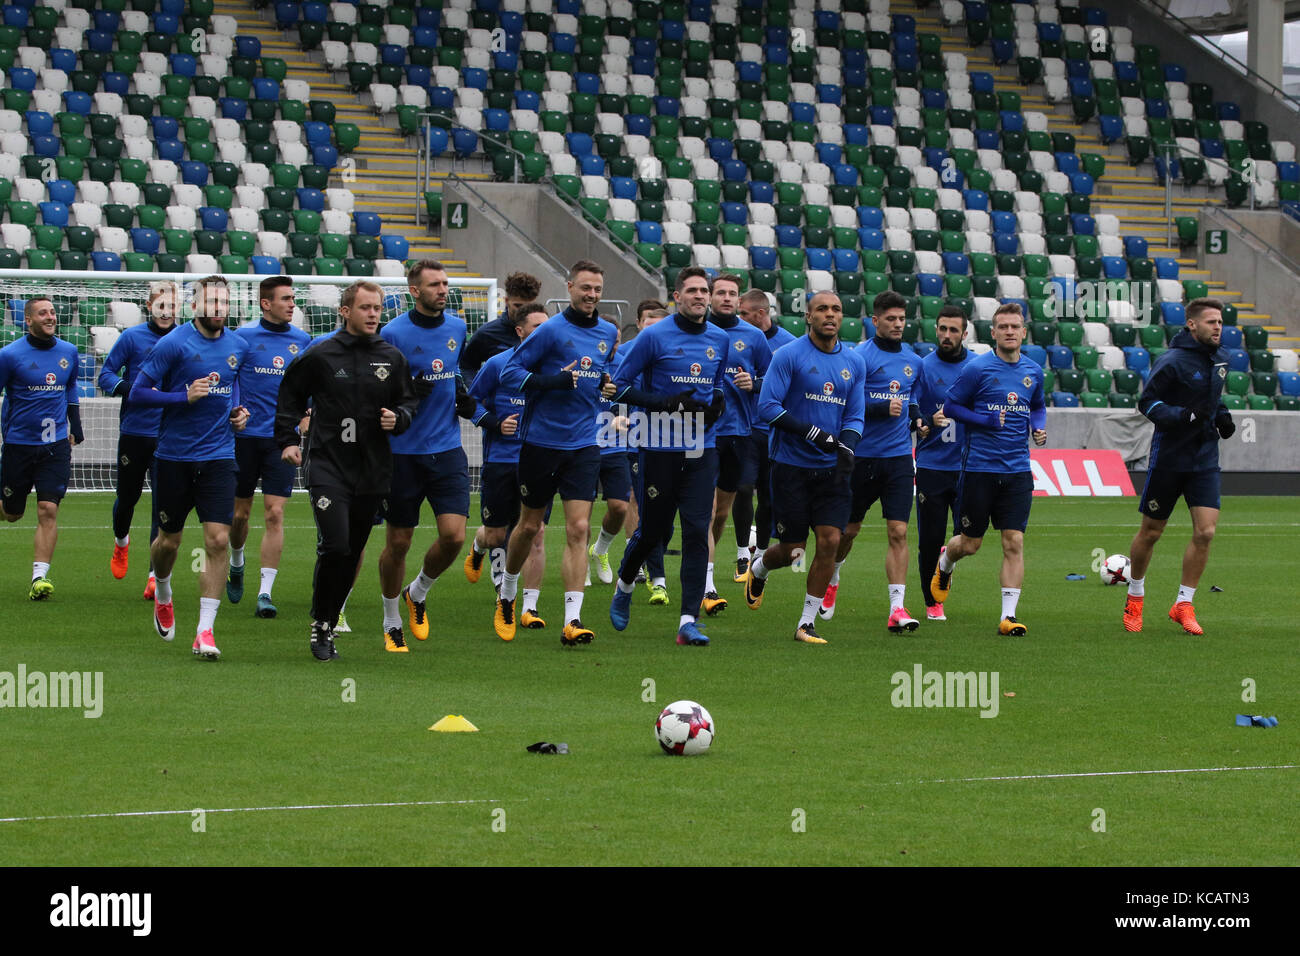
<point>94,308</point>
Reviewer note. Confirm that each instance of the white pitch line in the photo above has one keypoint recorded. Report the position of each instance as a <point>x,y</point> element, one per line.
<point>308,806</point>
<point>1094,773</point>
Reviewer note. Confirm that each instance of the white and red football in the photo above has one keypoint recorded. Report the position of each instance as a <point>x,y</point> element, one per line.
<point>684,729</point>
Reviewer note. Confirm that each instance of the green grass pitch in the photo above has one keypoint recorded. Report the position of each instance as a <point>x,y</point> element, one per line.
<point>812,763</point>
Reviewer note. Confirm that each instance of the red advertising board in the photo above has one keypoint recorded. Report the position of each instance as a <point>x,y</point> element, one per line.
<point>1072,472</point>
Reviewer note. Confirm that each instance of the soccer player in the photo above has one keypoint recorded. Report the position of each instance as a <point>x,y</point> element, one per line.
<point>560,368</point>
<point>755,308</point>
<point>938,455</point>
<point>998,396</point>
<point>814,399</point>
<point>500,334</point>
<point>138,426</point>
<point>272,344</point>
<point>428,460</point>
<point>883,470</point>
<point>748,357</point>
<point>1183,400</point>
<point>193,373</point>
<point>39,424</point>
<point>499,498</point>
<point>361,392</point>
<point>615,486</point>
<point>680,365</point>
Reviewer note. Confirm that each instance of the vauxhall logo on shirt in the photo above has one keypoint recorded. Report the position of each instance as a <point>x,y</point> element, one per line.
<point>438,371</point>
<point>696,374</point>
<point>827,393</point>
<point>215,386</point>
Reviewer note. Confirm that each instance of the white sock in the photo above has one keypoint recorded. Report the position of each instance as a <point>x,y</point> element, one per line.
<point>1137,587</point>
<point>268,581</point>
<point>603,541</point>
<point>708,580</point>
<point>122,542</point>
<point>811,602</point>
<point>530,599</point>
<point>684,620</point>
<point>1185,593</point>
<point>742,553</point>
<point>162,589</point>
<point>477,548</point>
<point>835,575</point>
<point>572,606</point>
<point>509,586</point>
<point>659,582</point>
<point>624,587</point>
<point>1010,597</point>
<point>896,595</point>
<point>392,611</point>
<point>40,569</point>
<point>758,568</point>
<point>236,558</point>
<point>945,564</point>
<point>419,588</point>
<point>207,613</point>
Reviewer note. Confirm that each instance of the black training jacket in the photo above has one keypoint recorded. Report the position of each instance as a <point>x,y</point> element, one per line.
<point>347,379</point>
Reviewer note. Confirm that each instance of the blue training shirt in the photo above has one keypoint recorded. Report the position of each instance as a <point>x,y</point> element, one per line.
<point>568,418</point>
<point>986,386</point>
<point>201,430</point>
<point>121,366</point>
<point>488,391</point>
<point>941,451</point>
<point>890,373</point>
<point>271,348</point>
<point>38,384</point>
<point>747,351</point>
<point>814,388</point>
<point>432,347</point>
<point>672,356</point>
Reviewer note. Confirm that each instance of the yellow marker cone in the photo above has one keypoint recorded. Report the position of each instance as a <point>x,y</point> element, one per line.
<point>454,724</point>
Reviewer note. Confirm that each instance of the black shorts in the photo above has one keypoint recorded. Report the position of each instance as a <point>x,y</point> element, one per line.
<point>47,467</point>
<point>543,472</point>
<point>615,477</point>
<point>260,458</point>
<point>207,487</point>
<point>441,479</point>
<point>1163,488</point>
<point>887,480</point>
<point>1002,498</point>
<point>807,498</point>
<point>737,467</point>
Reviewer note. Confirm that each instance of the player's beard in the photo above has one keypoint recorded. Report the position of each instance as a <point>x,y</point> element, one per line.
<point>211,325</point>
<point>946,348</point>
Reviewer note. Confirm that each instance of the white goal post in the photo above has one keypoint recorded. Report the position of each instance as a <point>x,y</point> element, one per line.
<point>94,307</point>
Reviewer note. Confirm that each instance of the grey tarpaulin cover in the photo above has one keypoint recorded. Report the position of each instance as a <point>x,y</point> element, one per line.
<point>1128,432</point>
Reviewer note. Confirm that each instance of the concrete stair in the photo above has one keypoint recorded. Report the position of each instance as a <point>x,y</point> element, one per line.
<point>1127,192</point>
<point>384,177</point>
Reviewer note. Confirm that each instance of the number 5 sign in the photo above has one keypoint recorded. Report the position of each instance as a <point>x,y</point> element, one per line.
<point>1216,241</point>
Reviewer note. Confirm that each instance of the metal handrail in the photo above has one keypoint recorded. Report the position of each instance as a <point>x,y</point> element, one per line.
<point>1215,50</point>
<point>1168,148</point>
<point>424,168</point>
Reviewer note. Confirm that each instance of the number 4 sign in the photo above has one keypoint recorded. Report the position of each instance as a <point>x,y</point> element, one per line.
<point>457,215</point>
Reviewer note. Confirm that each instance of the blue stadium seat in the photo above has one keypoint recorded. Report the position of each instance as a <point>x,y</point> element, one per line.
<point>735,213</point>
<point>1135,247</point>
<point>1136,358</point>
<point>1061,356</point>
<point>871,217</point>
<point>1065,400</point>
<point>788,237</point>
<point>845,260</point>
<point>266,265</point>
<point>367,223</point>
<point>233,107</point>
<point>249,47</point>
<point>1166,267</point>
<point>1006,243</point>
<point>869,239</point>
<point>819,259</point>
<point>1232,337</point>
<point>1238,360</point>
<point>1035,353</point>
<point>647,231</point>
<point>1288,382</point>
<point>145,240</point>
<point>622,187</point>
<point>265,88</point>
<point>328,156</point>
<point>591,165</point>
<point>214,218</point>
<point>1172,313</point>
<point>62,190</point>
<point>172,149</point>
<point>956,263</point>
<point>194,172</point>
<point>106,261</point>
<point>762,257</point>
<point>54,213</point>
<point>464,142</point>
<point>310,199</point>
<point>395,247</point>
<point>761,192</point>
<point>927,283</point>
<point>1114,267</point>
